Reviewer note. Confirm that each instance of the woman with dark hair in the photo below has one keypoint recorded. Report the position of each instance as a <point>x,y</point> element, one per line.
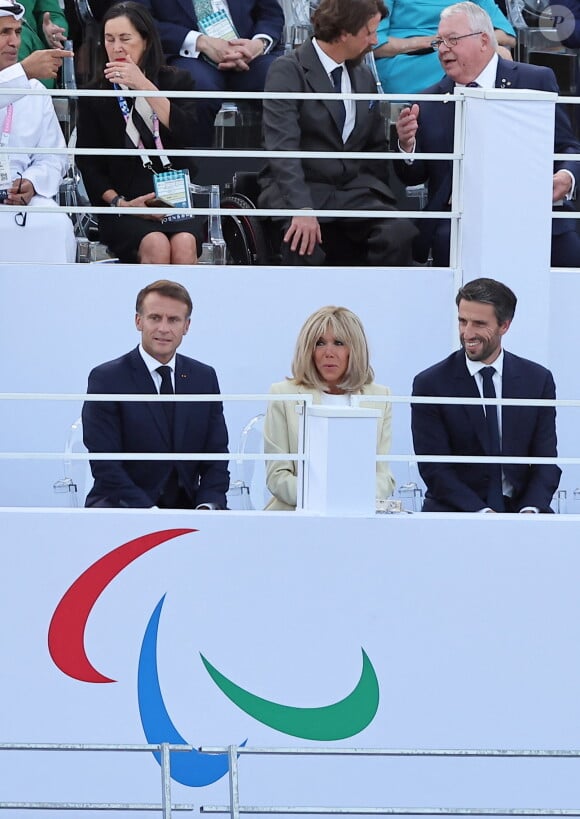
<point>130,57</point>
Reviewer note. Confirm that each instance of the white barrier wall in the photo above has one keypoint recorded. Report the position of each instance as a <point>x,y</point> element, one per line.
<point>468,624</point>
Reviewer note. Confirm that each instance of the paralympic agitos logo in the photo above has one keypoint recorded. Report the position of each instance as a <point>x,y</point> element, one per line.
<point>66,643</point>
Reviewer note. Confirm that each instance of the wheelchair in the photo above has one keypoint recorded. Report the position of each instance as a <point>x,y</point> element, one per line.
<point>250,240</point>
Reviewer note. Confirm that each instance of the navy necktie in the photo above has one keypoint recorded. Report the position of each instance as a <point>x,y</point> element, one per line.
<point>473,85</point>
<point>495,491</point>
<point>336,75</point>
<point>166,389</point>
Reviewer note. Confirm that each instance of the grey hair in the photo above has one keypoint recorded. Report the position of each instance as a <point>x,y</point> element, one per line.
<point>478,18</point>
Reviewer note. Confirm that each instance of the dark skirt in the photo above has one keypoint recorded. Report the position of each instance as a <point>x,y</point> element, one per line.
<point>123,234</point>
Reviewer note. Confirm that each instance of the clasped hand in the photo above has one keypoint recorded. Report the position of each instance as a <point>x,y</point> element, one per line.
<point>20,193</point>
<point>141,202</point>
<point>230,55</point>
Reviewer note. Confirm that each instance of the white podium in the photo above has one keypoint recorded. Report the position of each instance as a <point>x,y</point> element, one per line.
<point>340,473</point>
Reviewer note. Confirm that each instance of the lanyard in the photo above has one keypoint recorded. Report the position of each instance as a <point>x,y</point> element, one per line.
<point>7,128</point>
<point>133,132</point>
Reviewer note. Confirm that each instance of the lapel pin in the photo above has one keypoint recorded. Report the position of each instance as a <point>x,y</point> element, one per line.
<point>183,375</point>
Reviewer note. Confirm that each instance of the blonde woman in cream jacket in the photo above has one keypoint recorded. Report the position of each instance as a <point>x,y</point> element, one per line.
<point>331,363</point>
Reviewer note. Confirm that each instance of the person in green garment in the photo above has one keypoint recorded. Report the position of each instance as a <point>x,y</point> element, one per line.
<point>44,25</point>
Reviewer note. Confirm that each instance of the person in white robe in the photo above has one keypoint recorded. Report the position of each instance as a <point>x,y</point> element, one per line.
<point>29,180</point>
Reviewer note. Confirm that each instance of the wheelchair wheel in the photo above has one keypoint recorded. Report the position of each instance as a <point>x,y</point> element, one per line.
<point>244,236</point>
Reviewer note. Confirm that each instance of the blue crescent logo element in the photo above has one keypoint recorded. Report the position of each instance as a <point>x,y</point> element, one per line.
<point>191,768</point>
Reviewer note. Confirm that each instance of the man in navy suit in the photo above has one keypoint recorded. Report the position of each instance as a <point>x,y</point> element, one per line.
<point>163,318</point>
<point>485,310</point>
<point>467,51</point>
<point>238,63</point>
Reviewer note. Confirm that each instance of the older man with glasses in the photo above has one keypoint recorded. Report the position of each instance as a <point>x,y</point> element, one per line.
<point>467,50</point>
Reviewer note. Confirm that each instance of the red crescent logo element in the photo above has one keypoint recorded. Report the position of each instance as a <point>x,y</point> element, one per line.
<point>66,633</point>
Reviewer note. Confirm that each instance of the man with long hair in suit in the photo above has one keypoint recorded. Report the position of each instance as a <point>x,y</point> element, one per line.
<point>344,31</point>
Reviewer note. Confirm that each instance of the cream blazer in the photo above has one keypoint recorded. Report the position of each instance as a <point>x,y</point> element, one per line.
<point>281,435</point>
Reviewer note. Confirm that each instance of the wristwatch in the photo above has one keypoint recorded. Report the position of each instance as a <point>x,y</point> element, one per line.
<point>115,200</point>
<point>267,44</point>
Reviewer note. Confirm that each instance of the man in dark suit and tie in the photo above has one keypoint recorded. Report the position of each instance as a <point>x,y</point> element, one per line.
<point>467,51</point>
<point>344,31</point>
<point>162,317</point>
<point>482,369</point>
<point>226,45</point>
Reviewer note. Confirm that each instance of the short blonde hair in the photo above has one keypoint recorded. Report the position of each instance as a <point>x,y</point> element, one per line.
<point>347,327</point>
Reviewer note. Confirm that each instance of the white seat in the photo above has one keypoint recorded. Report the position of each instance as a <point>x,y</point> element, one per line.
<point>249,483</point>
<point>78,478</point>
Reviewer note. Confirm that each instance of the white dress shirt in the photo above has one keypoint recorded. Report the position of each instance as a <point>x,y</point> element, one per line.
<point>152,364</point>
<point>345,86</point>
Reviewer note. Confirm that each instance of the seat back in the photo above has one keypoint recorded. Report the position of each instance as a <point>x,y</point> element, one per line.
<point>250,476</point>
<point>77,480</point>
<point>563,64</point>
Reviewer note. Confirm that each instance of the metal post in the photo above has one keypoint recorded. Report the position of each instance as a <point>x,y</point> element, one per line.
<point>233,778</point>
<point>165,781</point>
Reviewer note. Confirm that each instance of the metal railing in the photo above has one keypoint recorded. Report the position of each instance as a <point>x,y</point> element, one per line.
<point>213,212</point>
<point>410,490</point>
<point>164,807</point>
<point>235,810</point>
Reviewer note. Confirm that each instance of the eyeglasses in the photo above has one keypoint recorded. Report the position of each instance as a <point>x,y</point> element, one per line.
<point>451,42</point>
<point>20,218</point>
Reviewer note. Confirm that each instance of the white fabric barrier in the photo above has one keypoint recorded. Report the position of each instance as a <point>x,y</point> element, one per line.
<point>469,623</point>
<point>506,194</point>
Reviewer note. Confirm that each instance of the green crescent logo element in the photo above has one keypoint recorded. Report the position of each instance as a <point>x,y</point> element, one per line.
<point>339,720</point>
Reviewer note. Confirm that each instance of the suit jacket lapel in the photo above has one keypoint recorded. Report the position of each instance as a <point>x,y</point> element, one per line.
<point>506,74</point>
<point>143,383</point>
<point>188,10</point>
<point>183,411</point>
<point>465,386</point>
<point>316,77</point>
<point>509,415</point>
<point>361,106</point>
